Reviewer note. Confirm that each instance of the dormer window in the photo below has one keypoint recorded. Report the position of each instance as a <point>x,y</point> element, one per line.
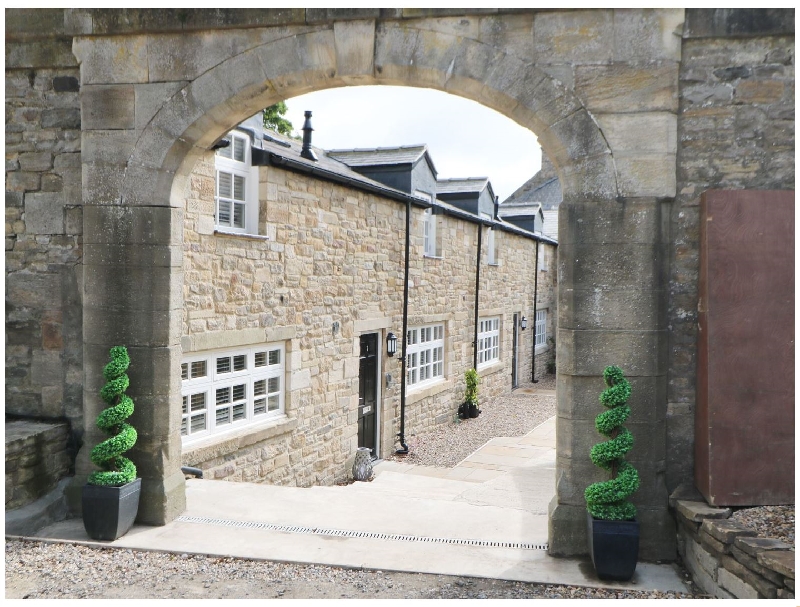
<point>236,187</point>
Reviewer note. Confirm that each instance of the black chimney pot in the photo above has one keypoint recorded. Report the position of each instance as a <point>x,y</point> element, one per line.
<point>307,152</point>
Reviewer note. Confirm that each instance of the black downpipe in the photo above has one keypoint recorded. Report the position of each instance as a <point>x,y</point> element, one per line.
<point>477,292</point>
<point>401,436</point>
<point>535,295</point>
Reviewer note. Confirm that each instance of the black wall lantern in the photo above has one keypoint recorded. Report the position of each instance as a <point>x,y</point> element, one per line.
<point>524,323</point>
<point>391,344</point>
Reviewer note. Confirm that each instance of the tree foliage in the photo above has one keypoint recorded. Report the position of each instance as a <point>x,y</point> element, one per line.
<point>274,120</point>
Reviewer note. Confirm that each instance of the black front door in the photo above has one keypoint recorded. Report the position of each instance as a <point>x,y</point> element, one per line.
<point>514,359</point>
<point>368,391</point>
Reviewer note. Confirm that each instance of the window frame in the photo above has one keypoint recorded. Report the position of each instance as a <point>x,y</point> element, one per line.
<point>214,381</point>
<point>237,168</point>
<point>488,341</point>
<point>424,351</point>
<point>540,322</point>
<point>542,257</point>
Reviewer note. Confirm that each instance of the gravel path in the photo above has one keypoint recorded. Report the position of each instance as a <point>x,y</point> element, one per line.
<point>36,570</point>
<point>513,414</point>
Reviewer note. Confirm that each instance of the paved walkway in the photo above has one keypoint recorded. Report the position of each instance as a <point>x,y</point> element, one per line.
<point>486,517</point>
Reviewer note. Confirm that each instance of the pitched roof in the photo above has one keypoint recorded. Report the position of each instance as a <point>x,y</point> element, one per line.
<point>543,187</point>
<point>461,184</point>
<point>376,156</point>
<point>516,209</point>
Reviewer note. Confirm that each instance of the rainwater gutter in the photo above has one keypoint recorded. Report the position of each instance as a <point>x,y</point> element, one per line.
<point>535,296</point>
<point>477,293</point>
<point>401,436</point>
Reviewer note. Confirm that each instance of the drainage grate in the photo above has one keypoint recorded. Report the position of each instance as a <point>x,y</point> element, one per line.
<point>358,534</point>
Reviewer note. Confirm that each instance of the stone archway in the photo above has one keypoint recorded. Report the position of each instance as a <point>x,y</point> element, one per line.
<point>140,141</point>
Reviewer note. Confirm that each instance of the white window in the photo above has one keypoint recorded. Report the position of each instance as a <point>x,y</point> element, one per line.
<point>541,327</point>
<point>236,194</point>
<point>424,355</point>
<point>491,248</point>
<point>488,341</point>
<point>429,221</point>
<point>228,389</point>
<point>542,257</point>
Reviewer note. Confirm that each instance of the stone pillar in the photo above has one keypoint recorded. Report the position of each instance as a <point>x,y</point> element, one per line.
<point>611,310</point>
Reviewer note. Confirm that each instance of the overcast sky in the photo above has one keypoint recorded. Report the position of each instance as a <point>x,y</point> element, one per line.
<point>465,139</point>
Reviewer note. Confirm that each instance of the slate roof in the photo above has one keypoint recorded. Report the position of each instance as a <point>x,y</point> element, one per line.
<point>361,157</point>
<point>511,209</point>
<point>461,184</point>
<point>544,187</point>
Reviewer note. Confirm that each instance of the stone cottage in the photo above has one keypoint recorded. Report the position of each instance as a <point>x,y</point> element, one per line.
<point>294,280</point>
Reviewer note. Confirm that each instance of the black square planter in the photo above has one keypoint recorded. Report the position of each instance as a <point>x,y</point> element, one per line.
<point>614,546</point>
<point>109,512</point>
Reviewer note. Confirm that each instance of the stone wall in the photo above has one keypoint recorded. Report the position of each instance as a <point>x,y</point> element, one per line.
<point>735,131</point>
<point>43,232</point>
<point>333,257</point>
<point>727,560</point>
<point>36,459</point>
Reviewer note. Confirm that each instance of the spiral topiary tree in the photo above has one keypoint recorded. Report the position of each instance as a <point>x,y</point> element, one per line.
<point>116,469</point>
<point>607,500</point>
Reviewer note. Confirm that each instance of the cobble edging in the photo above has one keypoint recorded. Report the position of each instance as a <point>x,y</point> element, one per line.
<point>727,560</point>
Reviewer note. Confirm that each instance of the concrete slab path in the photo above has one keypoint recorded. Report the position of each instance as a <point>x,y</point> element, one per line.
<point>486,517</point>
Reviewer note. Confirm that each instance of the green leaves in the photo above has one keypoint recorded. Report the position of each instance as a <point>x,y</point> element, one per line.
<point>116,470</point>
<point>607,500</point>
<point>274,120</point>
<point>471,392</point>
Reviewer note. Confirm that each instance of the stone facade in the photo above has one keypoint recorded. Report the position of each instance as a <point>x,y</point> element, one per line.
<point>727,560</point>
<point>640,110</point>
<point>328,268</point>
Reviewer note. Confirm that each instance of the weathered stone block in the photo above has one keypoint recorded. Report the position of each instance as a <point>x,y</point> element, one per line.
<point>578,36</point>
<point>626,88</point>
<point>588,352</point>
<point>50,52</point>
<point>22,181</point>
<point>736,585</point>
<point>703,558</point>
<point>725,530</point>
<point>752,564</point>
<point>577,397</point>
<point>644,132</point>
<point>756,545</point>
<point>108,107</point>
<point>712,543</point>
<point>698,511</point>
<point>631,309</point>
<point>61,118</point>
<point>644,34</point>
<point>133,225</point>
<point>133,287</point>
<point>781,561</point>
<point>66,84</point>
<point>566,529</point>
<point>36,161</point>
<point>121,59</point>
<point>44,213</point>
<point>355,47</point>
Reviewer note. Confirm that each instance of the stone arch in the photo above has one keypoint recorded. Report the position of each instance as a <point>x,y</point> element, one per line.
<point>136,219</point>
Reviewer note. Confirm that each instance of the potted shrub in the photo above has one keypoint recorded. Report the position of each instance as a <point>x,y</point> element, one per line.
<point>471,393</point>
<point>612,525</point>
<point>111,496</point>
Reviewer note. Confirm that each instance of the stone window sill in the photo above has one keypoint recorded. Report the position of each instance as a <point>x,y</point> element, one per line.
<point>491,368</point>
<point>218,446</point>
<point>414,395</point>
<point>219,232</point>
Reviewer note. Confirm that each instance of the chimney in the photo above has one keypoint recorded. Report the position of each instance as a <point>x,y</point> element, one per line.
<point>307,152</point>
